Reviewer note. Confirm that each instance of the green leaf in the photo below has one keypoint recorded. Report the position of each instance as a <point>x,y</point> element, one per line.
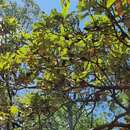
<point>124,2</point>
<point>62,29</point>
<point>25,35</point>
<point>83,74</point>
<point>24,50</point>
<point>110,3</point>
<point>62,2</point>
<point>66,7</point>
<point>14,110</point>
<point>26,99</point>
<point>64,52</point>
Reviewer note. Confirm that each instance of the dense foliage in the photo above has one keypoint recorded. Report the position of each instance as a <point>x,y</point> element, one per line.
<point>56,76</point>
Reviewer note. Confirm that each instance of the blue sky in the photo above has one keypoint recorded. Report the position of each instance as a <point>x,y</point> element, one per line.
<point>47,5</point>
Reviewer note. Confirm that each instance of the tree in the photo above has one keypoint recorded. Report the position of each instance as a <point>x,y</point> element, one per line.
<point>69,72</point>
<point>14,19</point>
<point>27,13</point>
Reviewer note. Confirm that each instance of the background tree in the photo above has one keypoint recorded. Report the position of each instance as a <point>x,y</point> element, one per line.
<point>14,19</point>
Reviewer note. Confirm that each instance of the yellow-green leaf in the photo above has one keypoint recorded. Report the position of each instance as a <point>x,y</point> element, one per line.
<point>66,7</point>
<point>14,110</point>
<point>110,3</point>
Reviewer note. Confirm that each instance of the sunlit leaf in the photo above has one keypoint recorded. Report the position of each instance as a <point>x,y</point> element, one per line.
<point>66,6</point>
<point>110,3</point>
<point>14,110</point>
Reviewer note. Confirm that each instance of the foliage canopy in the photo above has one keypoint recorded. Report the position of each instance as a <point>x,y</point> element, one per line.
<point>56,76</point>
